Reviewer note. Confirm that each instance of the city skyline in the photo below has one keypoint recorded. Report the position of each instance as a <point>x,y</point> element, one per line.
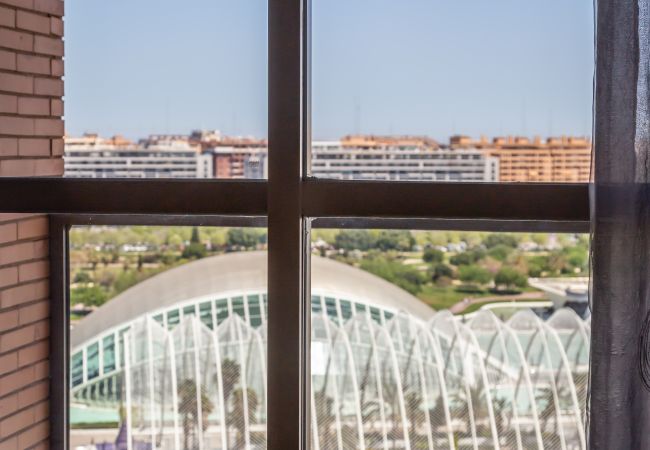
<point>210,154</point>
<point>390,73</point>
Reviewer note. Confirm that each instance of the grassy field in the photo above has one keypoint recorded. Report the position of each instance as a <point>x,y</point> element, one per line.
<point>440,298</point>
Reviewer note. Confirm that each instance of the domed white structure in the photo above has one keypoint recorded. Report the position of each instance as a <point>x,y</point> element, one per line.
<point>183,356</point>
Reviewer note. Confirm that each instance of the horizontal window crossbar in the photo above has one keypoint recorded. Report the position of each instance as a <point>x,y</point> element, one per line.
<point>161,220</point>
<point>475,201</point>
<point>512,226</point>
<point>478,202</point>
<point>124,196</point>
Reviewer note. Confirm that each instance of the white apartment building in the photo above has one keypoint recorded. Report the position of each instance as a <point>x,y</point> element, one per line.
<point>94,157</point>
<point>352,158</point>
<point>331,159</point>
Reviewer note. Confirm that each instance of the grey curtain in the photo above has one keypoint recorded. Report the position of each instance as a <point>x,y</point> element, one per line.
<point>619,415</point>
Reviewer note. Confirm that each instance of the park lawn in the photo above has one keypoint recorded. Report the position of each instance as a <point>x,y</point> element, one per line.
<point>75,317</point>
<point>440,298</point>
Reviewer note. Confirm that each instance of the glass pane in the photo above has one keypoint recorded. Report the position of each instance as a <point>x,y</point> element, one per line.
<point>92,358</point>
<point>109,354</point>
<point>452,91</point>
<point>182,94</point>
<point>222,310</point>
<point>168,338</point>
<point>456,339</point>
<point>173,317</point>
<point>206,314</point>
<point>189,310</point>
<point>76,369</point>
<point>254,311</point>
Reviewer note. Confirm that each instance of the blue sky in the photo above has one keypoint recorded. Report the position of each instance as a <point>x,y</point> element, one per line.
<point>434,67</point>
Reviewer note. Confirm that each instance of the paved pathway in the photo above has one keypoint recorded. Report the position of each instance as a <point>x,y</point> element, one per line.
<point>464,304</point>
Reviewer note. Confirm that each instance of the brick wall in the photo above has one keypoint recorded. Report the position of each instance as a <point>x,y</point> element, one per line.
<point>31,144</point>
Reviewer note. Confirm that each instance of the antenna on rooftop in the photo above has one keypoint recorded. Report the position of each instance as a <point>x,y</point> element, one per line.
<point>523,118</point>
<point>357,116</point>
<point>167,115</point>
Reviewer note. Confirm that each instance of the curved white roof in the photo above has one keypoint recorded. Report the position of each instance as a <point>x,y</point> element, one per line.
<point>245,271</point>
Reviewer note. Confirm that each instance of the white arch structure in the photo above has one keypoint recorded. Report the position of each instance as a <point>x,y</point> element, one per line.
<point>397,383</point>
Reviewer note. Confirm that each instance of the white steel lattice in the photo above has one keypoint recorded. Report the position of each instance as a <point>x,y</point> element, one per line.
<point>403,383</point>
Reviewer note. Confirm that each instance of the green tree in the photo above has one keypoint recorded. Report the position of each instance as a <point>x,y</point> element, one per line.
<point>399,240</point>
<point>241,403</point>
<point>124,280</point>
<point>393,271</point>
<point>500,239</point>
<point>577,258</point>
<point>88,295</point>
<point>174,241</point>
<point>188,408</point>
<point>432,255</point>
<point>230,374</point>
<point>354,240</point>
<point>437,415</point>
<point>82,277</point>
<point>413,402</point>
<point>195,250</point>
<point>325,416</point>
<point>468,257</point>
<point>195,239</point>
<point>474,274</point>
<point>535,270</point>
<point>510,277</point>
<point>243,238</point>
<point>500,252</point>
<point>218,238</point>
<point>441,270</point>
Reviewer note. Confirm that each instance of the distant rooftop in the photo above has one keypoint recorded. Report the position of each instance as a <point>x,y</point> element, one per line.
<point>519,142</point>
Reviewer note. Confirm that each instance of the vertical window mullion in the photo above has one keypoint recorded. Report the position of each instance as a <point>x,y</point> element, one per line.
<point>59,333</point>
<point>288,324</point>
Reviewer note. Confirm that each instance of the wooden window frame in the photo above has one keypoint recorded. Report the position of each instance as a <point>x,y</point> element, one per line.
<point>289,204</point>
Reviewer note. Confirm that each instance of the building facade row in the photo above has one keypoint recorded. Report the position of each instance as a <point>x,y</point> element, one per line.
<point>94,157</point>
<point>400,161</point>
<point>554,160</point>
<point>204,154</point>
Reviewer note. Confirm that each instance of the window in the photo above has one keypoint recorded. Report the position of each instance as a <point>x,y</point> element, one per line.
<point>290,205</point>
<point>458,337</point>
<point>454,92</point>
<point>196,92</point>
<point>109,354</point>
<point>150,289</point>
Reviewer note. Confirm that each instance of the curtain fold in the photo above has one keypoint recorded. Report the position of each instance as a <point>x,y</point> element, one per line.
<point>620,400</point>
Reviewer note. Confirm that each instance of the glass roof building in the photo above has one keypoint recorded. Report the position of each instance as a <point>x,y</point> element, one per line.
<point>180,362</point>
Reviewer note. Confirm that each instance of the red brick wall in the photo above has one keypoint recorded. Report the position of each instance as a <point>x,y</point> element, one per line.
<point>31,144</point>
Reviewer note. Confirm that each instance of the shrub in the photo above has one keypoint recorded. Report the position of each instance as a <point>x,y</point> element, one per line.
<point>354,240</point>
<point>407,277</point>
<point>432,255</point>
<point>500,252</point>
<point>441,270</point>
<point>474,274</point>
<point>510,277</point>
<point>467,258</point>
<point>88,295</point>
<point>500,239</point>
